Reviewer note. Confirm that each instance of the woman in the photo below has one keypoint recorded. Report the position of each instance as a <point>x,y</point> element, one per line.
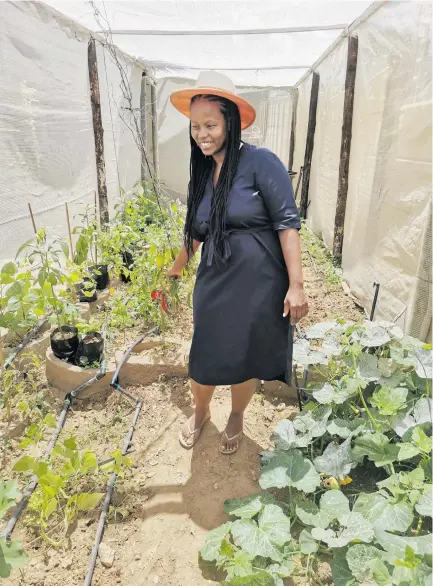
<point>241,207</point>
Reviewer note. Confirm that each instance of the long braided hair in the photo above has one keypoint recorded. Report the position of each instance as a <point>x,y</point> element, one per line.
<point>200,169</point>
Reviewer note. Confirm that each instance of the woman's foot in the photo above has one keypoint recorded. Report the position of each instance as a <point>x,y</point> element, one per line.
<point>232,435</point>
<point>191,430</point>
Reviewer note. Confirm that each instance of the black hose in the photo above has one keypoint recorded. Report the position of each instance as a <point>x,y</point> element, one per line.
<point>126,448</point>
<point>67,402</point>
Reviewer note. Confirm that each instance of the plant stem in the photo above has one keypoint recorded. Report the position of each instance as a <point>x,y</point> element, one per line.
<point>367,410</point>
<point>419,526</point>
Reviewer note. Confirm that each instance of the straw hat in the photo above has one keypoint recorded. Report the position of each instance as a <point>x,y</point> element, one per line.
<point>217,84</point>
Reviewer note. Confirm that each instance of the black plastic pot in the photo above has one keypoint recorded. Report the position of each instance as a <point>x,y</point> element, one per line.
<point>128,261</point>
<point>64,342</point>
<point>90,349</point>
<point>100,276</point>
<point>80,288</point>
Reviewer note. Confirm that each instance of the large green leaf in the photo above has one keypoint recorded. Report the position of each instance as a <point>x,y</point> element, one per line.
<point>307,544</point>
<point>368,367</point>
<point>310,514</point>
<point>338,393</point>
<point>9,268</point>
<point>341,573</point>
<point>356,527</point>
<point>423,363</point>
<point>396,545</point>
<point>359,558</point>
<point>283,570</point>
<point>377,448</point>
<point>239,565</point>
<point>371,335</point>
<point>421,440</point>
<point>214,539</point>
<point>275,524</point>
<point>423,411</point>
<point>313,421</point>
<point>334,504</point>
<point>302,354</point>
<point>8,495</point>
<point>336,460</point>
<point>87,501</point>
<point>388,401</point>
<point>266,538</point>
<point>290,469</point>
<point>262,579</point>
<point>331,346</point>
<point>286,437</point>
<point>424,505</point>
<point>319,330</point>
<point>346,428</point>
<point>383,513</point>
<point>248,507</point>
<point>380,573</point>
<point>11,557</point>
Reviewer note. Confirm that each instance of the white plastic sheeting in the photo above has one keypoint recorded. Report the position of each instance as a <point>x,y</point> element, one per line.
<point>256,43</point>
<point>388,219</point>
<point>47,153</point>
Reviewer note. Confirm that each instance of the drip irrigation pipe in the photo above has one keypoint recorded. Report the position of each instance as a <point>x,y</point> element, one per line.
<point>67,402</point>
<point>28,338</point>
<point>125,449</point>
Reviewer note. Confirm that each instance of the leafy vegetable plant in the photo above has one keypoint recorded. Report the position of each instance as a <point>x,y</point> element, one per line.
<point>349,480</point>
<point>11,554</point>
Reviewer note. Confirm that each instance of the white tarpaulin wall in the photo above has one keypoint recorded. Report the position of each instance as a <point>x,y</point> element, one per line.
<point>387,237</point>
<point>47,152</point>
<point>257,43</point>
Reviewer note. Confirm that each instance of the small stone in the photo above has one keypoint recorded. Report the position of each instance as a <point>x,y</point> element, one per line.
<point>156,580</point>
<point>150,474</point>
<point>254,476</point>
<point>106,555</point>
<point>281,407</point>
<point>216,487</point>
<point>137,557</point>
<point>269,416</point>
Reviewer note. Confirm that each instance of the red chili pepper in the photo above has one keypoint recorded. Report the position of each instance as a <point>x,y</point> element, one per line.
<point>156,295</point>
<point>160,295</point>
<point>163,303</point>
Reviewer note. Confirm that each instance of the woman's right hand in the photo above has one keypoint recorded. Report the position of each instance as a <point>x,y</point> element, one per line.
<point>174,273</point>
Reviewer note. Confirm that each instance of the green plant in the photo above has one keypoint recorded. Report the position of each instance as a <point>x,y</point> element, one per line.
<point>350,476</point>
<point>66,486</point>
<point>18,312</point>
<point>54,286</point>
<point>11,554</point>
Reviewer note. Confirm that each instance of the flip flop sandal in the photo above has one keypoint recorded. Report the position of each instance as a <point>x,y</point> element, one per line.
<point>239,435</point>
<point>195,434</point>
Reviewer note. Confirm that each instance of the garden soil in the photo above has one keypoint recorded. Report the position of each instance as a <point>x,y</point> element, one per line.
<point>164,509</point>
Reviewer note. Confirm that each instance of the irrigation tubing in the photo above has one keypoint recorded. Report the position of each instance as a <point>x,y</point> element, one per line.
<point>28,338</point>
<point>125,449</point>
<point>67,402</point>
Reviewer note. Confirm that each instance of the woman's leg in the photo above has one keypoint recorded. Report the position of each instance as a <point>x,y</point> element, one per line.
<point>241,396</point>
<point>202,398</point>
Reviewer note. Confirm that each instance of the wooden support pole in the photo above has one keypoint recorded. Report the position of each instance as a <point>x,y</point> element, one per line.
<point>71,253</point>
<point>33,218</point>
<point>309,145</point>
<point>295,96</point>
<point>154,130</point>
<point>143,125</point>
<point>346,139</point>
<point>98,132</point>
<point>96,216</point>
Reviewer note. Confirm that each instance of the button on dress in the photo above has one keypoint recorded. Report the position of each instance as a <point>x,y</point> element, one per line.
<point>239,329</point>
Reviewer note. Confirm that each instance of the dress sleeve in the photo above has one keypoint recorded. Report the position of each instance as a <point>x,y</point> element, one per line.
<point>275,186</point>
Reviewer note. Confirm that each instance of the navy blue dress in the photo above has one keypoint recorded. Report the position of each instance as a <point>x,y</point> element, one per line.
<point>239,329</point>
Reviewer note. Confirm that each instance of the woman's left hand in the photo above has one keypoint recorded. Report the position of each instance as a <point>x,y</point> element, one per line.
<point>296,304</point>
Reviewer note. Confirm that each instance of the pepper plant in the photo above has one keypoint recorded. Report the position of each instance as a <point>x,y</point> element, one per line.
<point>11,554</point>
